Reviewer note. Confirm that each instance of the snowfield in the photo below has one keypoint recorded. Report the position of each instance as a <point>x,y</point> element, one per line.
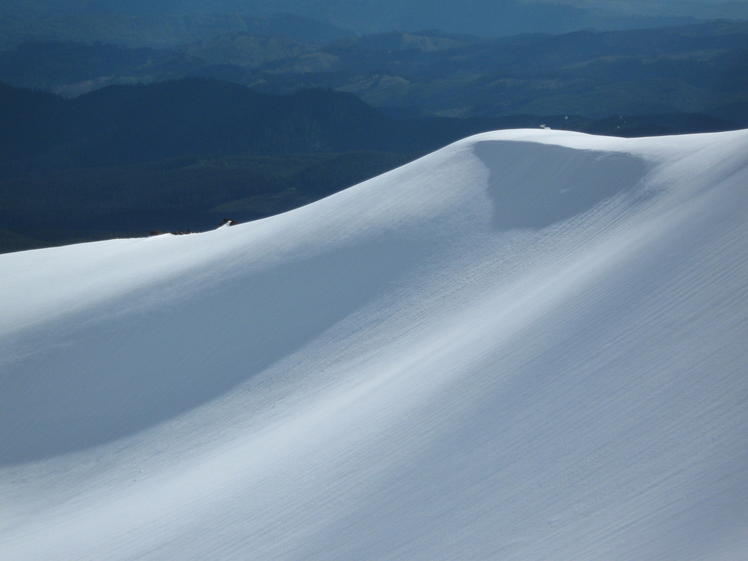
<point>530,345</point>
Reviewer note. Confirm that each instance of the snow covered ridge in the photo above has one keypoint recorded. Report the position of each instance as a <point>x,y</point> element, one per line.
<point>530,345</point>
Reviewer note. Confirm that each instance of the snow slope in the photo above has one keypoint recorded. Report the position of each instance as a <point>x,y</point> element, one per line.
<point>530,345</point>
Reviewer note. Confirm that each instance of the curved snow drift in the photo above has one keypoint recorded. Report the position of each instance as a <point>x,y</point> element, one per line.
<point>527,345</point>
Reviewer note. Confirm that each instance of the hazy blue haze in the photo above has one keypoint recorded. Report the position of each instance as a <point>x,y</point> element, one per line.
<point>481,17</point>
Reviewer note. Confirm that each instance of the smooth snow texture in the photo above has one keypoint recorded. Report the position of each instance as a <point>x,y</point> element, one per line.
<point>530,345</point>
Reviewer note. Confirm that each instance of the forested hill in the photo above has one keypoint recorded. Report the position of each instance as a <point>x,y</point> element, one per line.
<point>127,124</point>
<point>200,117</point>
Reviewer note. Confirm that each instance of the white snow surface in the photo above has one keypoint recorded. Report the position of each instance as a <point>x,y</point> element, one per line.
<point>530,345</point>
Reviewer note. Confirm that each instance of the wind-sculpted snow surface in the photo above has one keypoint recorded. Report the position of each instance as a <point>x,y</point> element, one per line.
<point>530,345</point>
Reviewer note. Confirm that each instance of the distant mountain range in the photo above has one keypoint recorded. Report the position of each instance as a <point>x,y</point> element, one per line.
<point>700,68</point>
<point>136,21</point>
<point>152,30</point>
<point>154,138</point>
<point>181,155</point>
